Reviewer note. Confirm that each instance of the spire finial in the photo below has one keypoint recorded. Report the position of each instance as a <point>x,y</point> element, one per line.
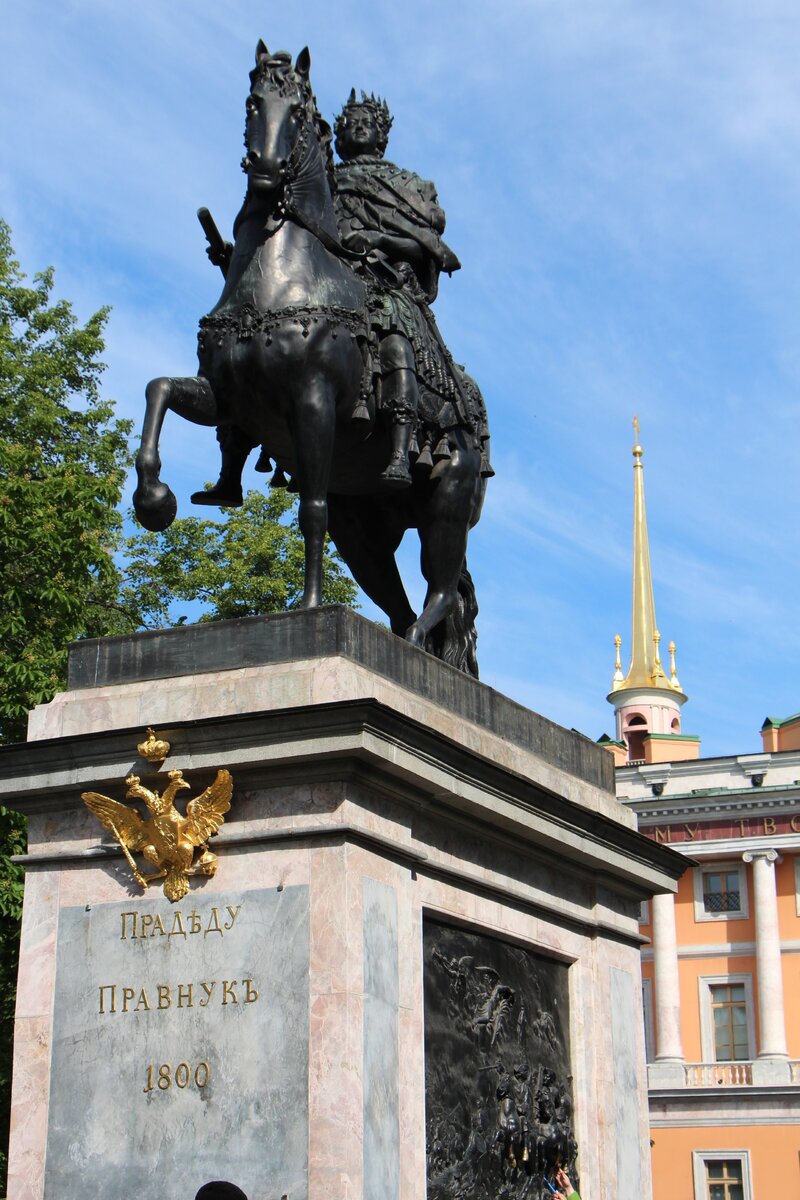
<point>658,670</point>
<point>673,675</point>
<point>637,449</point>
<point>618,677</point>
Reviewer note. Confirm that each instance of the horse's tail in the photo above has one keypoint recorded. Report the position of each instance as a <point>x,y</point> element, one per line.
<point>454,639</point>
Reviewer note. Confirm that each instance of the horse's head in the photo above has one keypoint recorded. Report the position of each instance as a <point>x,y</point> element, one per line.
<point>280,111</point>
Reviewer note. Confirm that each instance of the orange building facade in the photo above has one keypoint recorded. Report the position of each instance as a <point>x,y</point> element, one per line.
<point>721,958</point>
<point>721,975</point>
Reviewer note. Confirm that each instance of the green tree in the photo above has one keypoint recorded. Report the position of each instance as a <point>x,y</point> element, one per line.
<point>63,463</point>
<point>248,563</point>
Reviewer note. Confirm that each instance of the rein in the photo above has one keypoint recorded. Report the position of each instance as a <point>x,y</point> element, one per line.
<point>287,210</point>
<point>291,212</point>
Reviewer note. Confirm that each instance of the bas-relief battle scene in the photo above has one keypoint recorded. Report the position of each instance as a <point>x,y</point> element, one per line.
<point>497,1068</point>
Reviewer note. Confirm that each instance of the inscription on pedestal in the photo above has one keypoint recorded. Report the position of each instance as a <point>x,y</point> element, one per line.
<point>180,1047</point>
<point>498,1090</point>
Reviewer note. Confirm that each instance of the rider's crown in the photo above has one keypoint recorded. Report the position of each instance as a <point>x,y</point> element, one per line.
<point>375,105</point>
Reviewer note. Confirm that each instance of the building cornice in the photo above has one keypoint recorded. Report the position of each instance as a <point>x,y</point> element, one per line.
<point>724,950</point>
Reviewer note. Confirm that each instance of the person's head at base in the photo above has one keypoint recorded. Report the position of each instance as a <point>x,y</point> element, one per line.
<point>218,1189</point>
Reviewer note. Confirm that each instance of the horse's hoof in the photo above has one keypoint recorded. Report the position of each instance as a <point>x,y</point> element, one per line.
<point>156,510</point>
<point>415,636</point>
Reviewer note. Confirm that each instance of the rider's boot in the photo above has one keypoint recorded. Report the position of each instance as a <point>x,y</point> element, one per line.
<point>235,446</point>
<point>400,395</point>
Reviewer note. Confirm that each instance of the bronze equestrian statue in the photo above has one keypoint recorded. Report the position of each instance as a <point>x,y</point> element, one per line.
<point>322,350</point>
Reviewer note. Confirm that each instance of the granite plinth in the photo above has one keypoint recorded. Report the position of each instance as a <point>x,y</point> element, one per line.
<point>326,634</point>
<point>187,1026</point>
<point>384,807</point>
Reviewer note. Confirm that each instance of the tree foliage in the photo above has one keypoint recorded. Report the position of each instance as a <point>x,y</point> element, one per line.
<point>248,563</point>
<point>63,462</point>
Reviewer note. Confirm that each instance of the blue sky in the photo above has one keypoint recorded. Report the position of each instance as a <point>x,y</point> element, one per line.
<point>622,184</point>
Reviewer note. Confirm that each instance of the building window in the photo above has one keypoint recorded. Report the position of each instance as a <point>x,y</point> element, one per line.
<point>727,1031</point>
<point>720,892</point>
<point>722,1175</point>
<point>724,1179</point>
<point>729,1017</point>
<point>635,729</point>
<point>644,912</point>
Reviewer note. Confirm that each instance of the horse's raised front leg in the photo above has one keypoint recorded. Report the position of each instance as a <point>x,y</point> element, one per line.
<point>192,398</point>
<point>443,538</point>
<point>313,425</point>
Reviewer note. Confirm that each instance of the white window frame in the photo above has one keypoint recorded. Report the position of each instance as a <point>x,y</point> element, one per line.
<point>797,884</point>
<point>644,909</point>
<point>707,1045</point>
<point>701,1157</point>
<point>649,1020</point>
<point>700,914</point>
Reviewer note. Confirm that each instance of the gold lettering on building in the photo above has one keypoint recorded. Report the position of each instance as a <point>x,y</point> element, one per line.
<point>164,1076</point>
<point>136,925</point>
<point>663,835</point>
<point>115,998</point>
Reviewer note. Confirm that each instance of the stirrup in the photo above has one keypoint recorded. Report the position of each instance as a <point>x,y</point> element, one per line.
<point>221,495</point>
<point>397,474</point>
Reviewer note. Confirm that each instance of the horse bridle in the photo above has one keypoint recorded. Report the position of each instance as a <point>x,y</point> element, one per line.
<point>287,210</point>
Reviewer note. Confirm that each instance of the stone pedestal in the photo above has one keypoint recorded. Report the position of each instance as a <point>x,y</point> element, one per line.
<point>269,1028</point>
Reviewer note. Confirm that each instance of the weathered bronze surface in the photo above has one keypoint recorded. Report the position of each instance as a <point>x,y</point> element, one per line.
<point>323,351</point>
<point>177,846</point>
<point>498,1092</point>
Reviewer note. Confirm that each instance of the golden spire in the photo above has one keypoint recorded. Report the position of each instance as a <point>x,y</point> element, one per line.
<point>646,669</point>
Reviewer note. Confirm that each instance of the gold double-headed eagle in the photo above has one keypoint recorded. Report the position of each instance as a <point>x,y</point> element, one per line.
<point>167,840</point>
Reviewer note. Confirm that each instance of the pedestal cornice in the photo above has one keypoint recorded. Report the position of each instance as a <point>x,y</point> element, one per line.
<point>349,740</point>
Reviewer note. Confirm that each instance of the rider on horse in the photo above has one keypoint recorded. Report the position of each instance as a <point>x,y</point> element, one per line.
<point>392,217</point>
<point>395,215</point>
<point>292,355</point>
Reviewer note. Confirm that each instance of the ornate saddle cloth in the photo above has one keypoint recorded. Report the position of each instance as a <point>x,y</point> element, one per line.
<point>448,397</point>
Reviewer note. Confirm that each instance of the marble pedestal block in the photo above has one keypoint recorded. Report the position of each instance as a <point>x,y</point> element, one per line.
<point>269,1028</point>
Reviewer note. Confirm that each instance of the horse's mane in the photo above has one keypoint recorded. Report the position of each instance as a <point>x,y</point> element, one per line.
<point>279,74</point>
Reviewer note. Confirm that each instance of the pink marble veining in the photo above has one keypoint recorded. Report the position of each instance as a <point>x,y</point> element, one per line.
<point>37,965</point>
<point>335,1097</point>
<point>328,967</point>
<point>29,1108</point>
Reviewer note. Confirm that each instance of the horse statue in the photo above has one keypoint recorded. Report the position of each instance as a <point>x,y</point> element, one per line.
<point>285,363</point>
